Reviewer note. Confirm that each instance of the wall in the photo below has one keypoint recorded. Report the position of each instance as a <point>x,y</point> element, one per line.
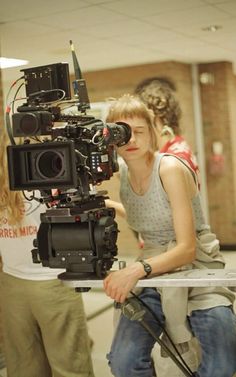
<point>218,111</point>
<point>219,119</point>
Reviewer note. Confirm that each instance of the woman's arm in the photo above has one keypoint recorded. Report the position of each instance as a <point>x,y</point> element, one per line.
<point>180,188</point>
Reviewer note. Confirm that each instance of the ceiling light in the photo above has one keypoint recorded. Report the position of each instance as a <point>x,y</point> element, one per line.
<point>10,62</point>
<point>212,28</point>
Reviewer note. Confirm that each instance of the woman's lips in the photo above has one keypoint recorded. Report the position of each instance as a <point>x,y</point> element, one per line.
<point>131,149</point>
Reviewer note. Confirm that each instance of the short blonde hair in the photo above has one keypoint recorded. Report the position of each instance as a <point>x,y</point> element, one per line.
<point>10,201</point>
<point>129,106</point>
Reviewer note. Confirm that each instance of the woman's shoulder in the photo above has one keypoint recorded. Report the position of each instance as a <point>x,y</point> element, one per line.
<point>175,172</point>
<point>170,162</point>
<point>172,166</point>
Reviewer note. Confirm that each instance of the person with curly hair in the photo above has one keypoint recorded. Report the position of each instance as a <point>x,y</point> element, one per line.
<point>158,94</point>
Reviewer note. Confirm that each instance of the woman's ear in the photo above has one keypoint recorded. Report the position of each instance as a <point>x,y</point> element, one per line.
<point>167,131</point>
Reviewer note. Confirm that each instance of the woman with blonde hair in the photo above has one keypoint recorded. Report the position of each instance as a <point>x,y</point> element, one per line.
<point>161,200</point>
<point>44,324</point>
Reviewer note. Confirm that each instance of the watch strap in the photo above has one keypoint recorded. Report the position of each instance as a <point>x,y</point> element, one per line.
<point>146,266</point>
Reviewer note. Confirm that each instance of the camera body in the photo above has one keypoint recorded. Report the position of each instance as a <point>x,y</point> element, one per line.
<point>77,152</point>
<point>78,155</point>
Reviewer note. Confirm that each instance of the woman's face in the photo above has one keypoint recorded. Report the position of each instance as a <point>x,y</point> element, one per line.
<point>140,142</point>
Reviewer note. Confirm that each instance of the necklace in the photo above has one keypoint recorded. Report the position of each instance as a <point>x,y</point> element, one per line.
<point>141,186</point>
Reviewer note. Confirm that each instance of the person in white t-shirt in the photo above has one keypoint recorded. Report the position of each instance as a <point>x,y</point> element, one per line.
<point>44,323</point>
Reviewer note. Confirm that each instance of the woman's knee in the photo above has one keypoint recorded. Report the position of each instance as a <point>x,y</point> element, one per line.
<point>120,363</point>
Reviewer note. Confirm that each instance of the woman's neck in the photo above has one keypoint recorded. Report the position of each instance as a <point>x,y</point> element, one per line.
<point>140,174</point>
<point>140,167</point>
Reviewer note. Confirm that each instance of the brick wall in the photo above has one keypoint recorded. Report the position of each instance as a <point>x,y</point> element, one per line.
<point>219,117</point>
<point>218,107</point>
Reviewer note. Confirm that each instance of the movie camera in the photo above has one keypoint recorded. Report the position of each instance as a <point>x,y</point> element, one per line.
<point>70,155</point>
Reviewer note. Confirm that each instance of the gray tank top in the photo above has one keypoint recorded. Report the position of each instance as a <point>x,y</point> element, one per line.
<point>150,214</point>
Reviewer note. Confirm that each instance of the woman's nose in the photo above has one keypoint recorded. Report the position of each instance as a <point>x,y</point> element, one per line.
<point>132,139</point>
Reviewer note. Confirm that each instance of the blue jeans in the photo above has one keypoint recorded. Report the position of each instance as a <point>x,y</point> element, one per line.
<point>215,328</point>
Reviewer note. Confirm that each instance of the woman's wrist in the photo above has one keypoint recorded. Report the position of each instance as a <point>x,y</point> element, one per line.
<point>146,266</point>
<point>138,270</point>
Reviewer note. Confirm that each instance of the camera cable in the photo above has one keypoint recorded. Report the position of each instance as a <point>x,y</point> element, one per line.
<point>9,107</point>
<point>134,309</point>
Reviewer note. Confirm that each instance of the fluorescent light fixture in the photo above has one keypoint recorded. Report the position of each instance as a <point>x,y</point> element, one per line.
<point>10,62</point>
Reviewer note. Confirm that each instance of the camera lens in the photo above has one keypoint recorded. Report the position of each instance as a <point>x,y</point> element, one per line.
<point>29,124</point>
<point>50,164</point>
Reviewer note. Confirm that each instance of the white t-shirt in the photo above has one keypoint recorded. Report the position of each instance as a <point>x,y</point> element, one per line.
<point>16,243</point>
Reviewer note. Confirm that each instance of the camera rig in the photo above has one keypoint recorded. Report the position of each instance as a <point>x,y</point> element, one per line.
<point>69,156</point>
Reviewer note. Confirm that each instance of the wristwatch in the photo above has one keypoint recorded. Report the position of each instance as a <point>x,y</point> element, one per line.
<point>146,266</point>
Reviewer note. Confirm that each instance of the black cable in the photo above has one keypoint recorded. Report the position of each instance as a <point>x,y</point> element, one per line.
<point>159,323</point>
<point>29,199</point>
<point>165,332</point>
<point>8,127</point>
<point>132,310</point>
<point>167,350</point>
<point>14,98</point>
<point>7,113</point>
<point>163,329</point>
<point>42,93</point>
<point>13,84</point>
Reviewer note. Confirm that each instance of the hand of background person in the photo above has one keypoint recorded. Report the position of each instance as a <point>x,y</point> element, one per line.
<point>120,210</point>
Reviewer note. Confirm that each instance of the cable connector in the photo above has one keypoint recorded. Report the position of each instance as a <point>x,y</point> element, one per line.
<point>132,309</point>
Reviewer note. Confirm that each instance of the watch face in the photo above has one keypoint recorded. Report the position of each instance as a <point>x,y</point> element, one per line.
<point>147,267</point>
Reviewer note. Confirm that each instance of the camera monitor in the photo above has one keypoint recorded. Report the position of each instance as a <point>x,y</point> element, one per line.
<point>52,79</point>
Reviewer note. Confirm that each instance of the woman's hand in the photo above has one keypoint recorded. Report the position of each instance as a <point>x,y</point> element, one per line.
<point>118,284</point>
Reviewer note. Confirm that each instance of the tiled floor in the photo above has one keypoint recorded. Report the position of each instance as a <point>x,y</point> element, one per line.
<point>101,327</point>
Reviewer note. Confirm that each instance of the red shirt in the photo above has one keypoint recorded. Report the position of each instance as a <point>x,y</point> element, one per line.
<point>180,148</point>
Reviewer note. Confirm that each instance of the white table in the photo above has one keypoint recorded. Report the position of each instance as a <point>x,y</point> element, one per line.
<point>190,278</point>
